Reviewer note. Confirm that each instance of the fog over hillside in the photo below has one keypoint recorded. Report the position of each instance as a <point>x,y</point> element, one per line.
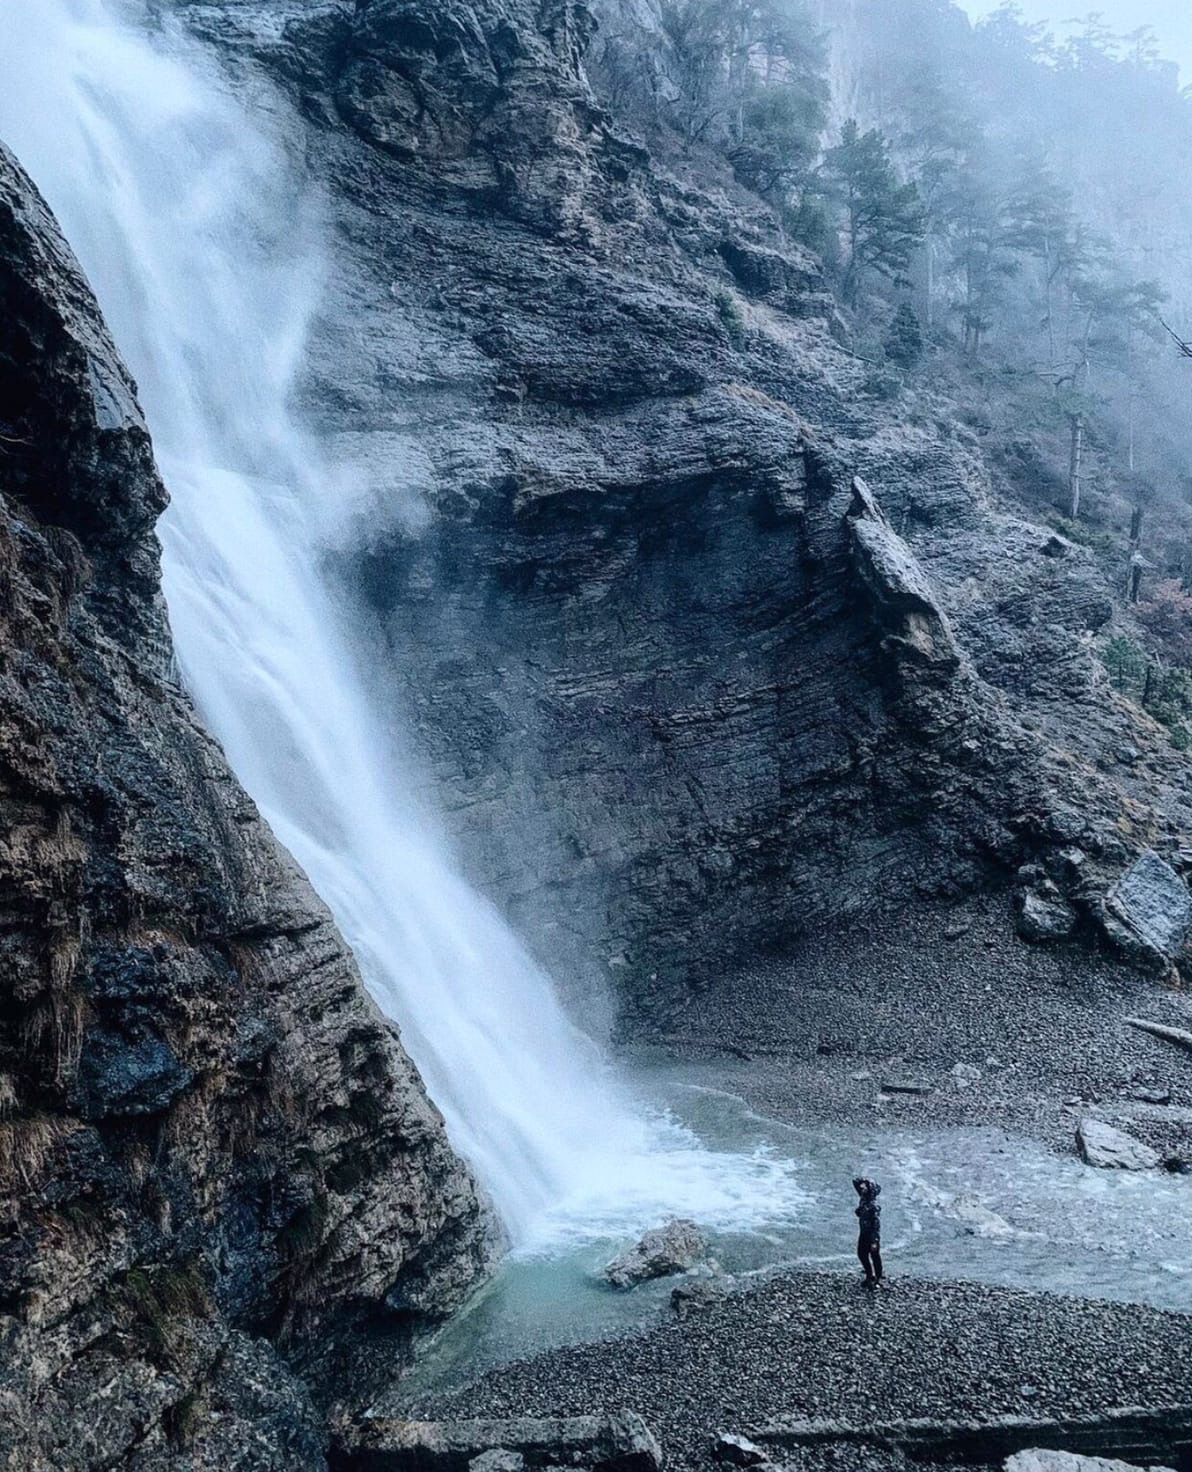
<point>1171,20</point>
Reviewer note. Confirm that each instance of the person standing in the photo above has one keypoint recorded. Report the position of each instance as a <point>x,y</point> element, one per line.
<point>869,1239</point>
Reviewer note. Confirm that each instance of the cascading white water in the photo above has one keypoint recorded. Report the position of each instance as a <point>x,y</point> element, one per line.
<point>203,247</point>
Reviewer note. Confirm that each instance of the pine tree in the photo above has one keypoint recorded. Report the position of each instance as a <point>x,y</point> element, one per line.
<point>696,34</point>
<point>1110,311</point>
<point>904,340</point>
<point>749,74</point>
<point>781,97</point>
<point>983,252</point>
<point>1041,224</point>
<point>937,132</point>
<point>883,217</point>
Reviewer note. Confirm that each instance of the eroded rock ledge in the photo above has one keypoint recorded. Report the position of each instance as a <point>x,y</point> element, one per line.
<point>212,1145</point>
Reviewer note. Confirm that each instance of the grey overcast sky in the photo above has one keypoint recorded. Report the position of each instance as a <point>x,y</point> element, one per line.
<point>1171,20</point>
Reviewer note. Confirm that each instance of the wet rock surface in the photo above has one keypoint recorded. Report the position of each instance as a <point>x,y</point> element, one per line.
<point>674,1248</point>
<point>616,1442</point>
<point>698,1290</point>
<point>1102,1145</point>
<point>209,1137</point>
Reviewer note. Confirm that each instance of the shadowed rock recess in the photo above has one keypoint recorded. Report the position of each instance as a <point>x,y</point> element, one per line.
<point>686,691</point>
<point>212,1146</point>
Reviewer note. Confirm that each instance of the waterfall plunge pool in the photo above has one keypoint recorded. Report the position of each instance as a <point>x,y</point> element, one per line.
<point>980,1204</point>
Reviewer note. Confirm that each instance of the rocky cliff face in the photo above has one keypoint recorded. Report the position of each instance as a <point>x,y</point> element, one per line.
<point>681,702</point>
<point>706,634</point>
<point>211,1144</point>
<point>684,691</point>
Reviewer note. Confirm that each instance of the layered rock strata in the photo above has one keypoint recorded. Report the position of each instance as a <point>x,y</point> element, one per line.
<point>212,1145</point>
<point>609,556</point>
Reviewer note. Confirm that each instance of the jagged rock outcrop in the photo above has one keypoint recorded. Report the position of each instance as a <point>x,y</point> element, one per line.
<point>212,1145</point>
<point>618,1441</point>
<point>646,634</point>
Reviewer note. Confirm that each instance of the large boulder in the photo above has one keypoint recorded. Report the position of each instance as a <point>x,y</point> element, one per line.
<point>1044,914</point>
<point>1040,1460</point>
<point>732,1450</point>
<point>1148,912</point>
<point>902,594</point>
<point>498,1460</point>
<point>700,1290</point>
<point>1102,1145</point>
<point>674,1248</point>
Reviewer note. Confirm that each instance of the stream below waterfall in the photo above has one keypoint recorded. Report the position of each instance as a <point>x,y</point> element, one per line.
<point>980,1204</point>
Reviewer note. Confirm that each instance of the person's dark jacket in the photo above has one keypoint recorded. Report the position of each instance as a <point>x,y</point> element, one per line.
<point>869,1213</point>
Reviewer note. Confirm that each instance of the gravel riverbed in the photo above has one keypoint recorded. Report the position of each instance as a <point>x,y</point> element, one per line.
<point>812,1038</point>
<point>814,1041</point>
<point>819,1345</point>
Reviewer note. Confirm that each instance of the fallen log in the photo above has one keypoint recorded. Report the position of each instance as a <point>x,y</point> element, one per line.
<point>1177,1035</point>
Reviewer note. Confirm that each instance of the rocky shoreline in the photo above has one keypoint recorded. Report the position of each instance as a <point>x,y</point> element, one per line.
<point>817,1347</point>
<point>942,1018</point>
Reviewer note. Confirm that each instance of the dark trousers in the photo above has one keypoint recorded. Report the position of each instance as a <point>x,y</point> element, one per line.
<point>869,1250</point>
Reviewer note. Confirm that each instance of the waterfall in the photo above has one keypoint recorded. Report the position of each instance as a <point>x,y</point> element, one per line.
<point>206,249</point>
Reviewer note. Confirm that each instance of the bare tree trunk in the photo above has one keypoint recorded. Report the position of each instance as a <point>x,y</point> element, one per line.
<point>968,302</point>
<point>1133,394</point>
<point>1134,559</point>
<point>1050,308</point>
<point>930,244</point>
<point>1076,466</point>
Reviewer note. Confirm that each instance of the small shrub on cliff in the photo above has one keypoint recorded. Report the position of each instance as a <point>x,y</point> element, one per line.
<point>26,1146</point>
<point>160,1299</point>
<point>883,384</point>
<point>904,341</point>
<point>1082,534</point>
<point>1164,692</point>
<point>1167,614</point>
<point>732,319</point>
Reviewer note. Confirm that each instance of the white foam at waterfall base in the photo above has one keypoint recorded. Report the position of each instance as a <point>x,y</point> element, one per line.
<point>204,249</point>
